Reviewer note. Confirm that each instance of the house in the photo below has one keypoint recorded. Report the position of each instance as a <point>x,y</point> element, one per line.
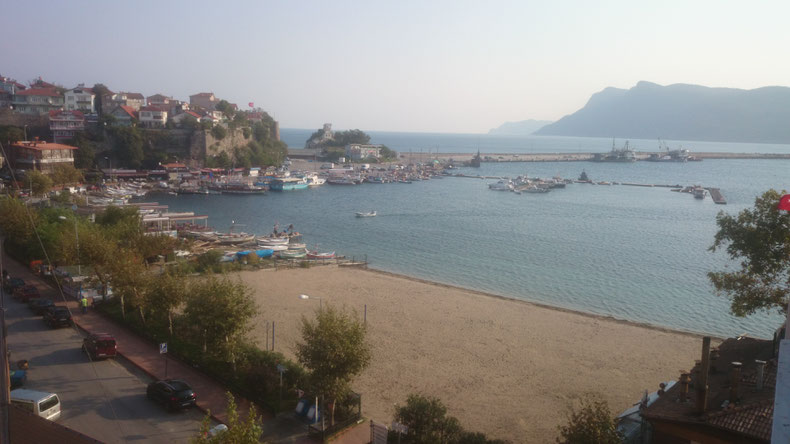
<point>125,115</point>
<point>206,101</point>
<point>65,124</point>
<point>42,156</point>
<point>152,117</point>
<point>159,100</point>
<point>358,151</point>
<point>37,101</point>
<point>9,87</point>
<point>81,99</point>
<point>133,100</point>
<point>728,397</point>
<point>179,119</point>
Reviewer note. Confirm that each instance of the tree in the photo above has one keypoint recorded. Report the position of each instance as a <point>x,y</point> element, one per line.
<point>101,92</point>
<point>760,238</point>
<point>40,183</point>
<point>10,134</point>
<point>85,156</point>
<point>128,146</point>
<point>334,349</point>
<point>219,132</point>
<point>130,281</point>
<point>591,422</point>
<point>427,420</point>
<point>66,174</point>
<point>226,109</point>
<point>238,432</point>
<point>220,311</point>
<point>168,293</point>
<point>16,222</point>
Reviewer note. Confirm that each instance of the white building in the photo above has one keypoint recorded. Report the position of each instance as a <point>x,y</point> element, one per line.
<point>80,99</point>
<point>152,117</point>
<point>357,151</point>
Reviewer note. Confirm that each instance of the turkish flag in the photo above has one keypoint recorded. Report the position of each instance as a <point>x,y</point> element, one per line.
<point>252,105</point>
<point>784,203</point>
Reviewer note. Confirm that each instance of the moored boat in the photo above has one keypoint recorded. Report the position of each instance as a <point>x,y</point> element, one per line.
<point>368,214</point>
<point>292,254</point>
<point>317,255</point>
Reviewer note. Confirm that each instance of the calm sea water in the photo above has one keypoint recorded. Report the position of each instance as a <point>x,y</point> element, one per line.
<point>470,143</point>
<point>633,253</point>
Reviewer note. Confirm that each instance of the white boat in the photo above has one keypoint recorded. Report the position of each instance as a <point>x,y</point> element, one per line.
<point>313,180</point>
<point>317,255</point>
<point>273,240</point>
<point>501,185</point>
<point>368,214</point>
<point>297,246</point>
<point>274,247</point>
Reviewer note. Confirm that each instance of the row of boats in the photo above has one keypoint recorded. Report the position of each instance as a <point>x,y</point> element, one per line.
<point>627,154</point>
<point>524,184</point>
<point>287,246</point>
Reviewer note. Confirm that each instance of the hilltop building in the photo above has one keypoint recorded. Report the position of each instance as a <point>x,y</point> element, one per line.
<point>359,152</point>
<point>37,101</point>
<point>41,156</point>
<point>152,117</point>
<point>80,99</point>
<point>133,100</point>
<point>206,101</point>
<point>9,87</point>
<point>65,124</point>
<point>125,115</point>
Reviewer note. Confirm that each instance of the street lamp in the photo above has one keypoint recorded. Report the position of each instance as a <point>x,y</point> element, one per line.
<point>77,237</point>
<point>320,301</point>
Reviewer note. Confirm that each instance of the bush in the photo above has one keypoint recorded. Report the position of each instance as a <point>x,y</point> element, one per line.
<point>219,132</point>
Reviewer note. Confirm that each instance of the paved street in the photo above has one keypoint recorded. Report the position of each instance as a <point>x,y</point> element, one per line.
<point>104,399</point>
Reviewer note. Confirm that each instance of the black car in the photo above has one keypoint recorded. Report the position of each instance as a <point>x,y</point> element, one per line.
<point>40,305</point>
<point>57,316</point>
<point>12,284</point>
<point>174,394</point>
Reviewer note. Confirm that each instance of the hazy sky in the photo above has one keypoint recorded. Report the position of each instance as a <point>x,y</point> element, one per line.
<point>439,66</point>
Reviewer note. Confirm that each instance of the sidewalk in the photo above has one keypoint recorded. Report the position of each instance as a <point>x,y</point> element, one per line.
<point>144,355</point>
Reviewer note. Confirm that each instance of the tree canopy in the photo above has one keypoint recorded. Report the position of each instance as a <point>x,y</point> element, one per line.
<point>590,422</point>
<point>238,432</point>
<point>334,348</point>
<point>759,238</point>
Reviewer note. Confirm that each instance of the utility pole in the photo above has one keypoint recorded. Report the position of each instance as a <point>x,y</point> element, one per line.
<point>5,373</point>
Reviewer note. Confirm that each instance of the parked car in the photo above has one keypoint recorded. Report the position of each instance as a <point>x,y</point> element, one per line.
<point>12,284</point>
<point>43,404</point>
<point>25,293</point>
<point>100,345</point>
<point>39,305</point>
<point>174,394</point>
<point>57,316</point>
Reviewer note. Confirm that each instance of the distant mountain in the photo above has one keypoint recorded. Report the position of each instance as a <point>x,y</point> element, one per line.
<point>523,128</point>
<point>682,112</point>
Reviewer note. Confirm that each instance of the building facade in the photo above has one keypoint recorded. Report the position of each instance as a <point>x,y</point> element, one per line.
<point>206,101</point>
<point>152,117</point>
<point>359,152</point>
<point>80,99</point>
<point>9,87</point>
<point>41,156</point>
<point>133,100</point>
<point>37,101</point>
<point>125,115</point>
<point>65,124</point>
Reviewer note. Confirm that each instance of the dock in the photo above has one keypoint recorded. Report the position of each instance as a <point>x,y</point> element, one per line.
<point>717,197</point>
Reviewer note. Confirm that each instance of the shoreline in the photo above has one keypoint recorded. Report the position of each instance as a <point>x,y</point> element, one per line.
<point>543,305</point>
<point>474,350</point>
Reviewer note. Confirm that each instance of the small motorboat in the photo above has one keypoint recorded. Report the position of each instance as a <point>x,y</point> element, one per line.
<point>368,214</point>
<point>292,254</point>
<point>317,255</point>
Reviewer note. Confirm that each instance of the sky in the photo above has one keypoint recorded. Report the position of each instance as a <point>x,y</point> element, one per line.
<point>420,66</point>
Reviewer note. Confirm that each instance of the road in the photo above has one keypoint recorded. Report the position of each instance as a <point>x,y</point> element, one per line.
<point>104,399</point>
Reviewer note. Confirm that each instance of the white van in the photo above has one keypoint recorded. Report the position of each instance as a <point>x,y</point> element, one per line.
<point>43,404</point>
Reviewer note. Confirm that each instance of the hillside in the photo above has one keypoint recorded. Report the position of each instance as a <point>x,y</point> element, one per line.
<point>682,112</point>
<point>522,128</point>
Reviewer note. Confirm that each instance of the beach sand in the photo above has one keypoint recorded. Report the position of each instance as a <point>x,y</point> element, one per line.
<point>503,367</point>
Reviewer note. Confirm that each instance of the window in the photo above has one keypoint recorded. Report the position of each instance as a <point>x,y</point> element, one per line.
<point>25,405</point>
<point>48,404</point>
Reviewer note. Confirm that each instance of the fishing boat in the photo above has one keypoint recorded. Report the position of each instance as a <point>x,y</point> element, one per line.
<point>624,154</point>
<point>475,162</point>
<point>368,214</point>
<point>292,254</point>
<point>288,184</point>
<point>313,180</point>
<point>273,240</point>
<point>242,188</point>
<point>234,238</point>
<point>297,246</point>
<point>317,255</point>
<point>342,180</point>
<point>699,192</point>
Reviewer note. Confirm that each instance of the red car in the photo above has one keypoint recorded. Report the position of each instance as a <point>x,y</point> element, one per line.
<point>100,345</point>
<point>26,293</point>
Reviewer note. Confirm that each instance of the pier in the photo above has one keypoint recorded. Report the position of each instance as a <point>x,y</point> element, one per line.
<point>716,195</point>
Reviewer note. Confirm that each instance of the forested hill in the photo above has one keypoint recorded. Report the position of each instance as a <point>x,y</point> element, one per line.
<point>682,112</point>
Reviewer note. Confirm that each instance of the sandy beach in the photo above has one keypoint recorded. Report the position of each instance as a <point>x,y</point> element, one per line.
<point>504,367</point>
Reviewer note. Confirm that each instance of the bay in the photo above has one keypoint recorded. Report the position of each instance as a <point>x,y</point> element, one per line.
<point>632,253</point>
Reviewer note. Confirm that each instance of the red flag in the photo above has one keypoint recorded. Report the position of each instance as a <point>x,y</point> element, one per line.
<point>252,105</point>
<point>784,203</point>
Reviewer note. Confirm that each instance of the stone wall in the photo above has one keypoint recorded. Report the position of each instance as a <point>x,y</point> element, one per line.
<point>204,144</point>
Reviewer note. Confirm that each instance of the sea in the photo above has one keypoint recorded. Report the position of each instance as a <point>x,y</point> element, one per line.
<point>639,254</point>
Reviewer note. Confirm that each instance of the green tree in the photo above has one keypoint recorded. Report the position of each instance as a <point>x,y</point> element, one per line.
<point>39,182</point>
<point>334,348</point>
<point>427,420</point>
<point>16,222</point>
<point>169,292</point>
<point>128,146</point>
<point>219,132</point>
<point>101,92</point>
<point>759,238</point>
<point>226,108</point>
<point>130,281</point>
<point>590,422</point>
<point>85,156</point>
<point>10,134</point>
<point>219,311</point>
<point>66,175</point>
<point>238,432</point>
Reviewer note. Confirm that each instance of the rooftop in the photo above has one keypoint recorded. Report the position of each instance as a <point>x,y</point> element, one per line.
<point>38,145</point>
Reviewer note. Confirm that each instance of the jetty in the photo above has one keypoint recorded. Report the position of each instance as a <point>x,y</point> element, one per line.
<point>716,195</point>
